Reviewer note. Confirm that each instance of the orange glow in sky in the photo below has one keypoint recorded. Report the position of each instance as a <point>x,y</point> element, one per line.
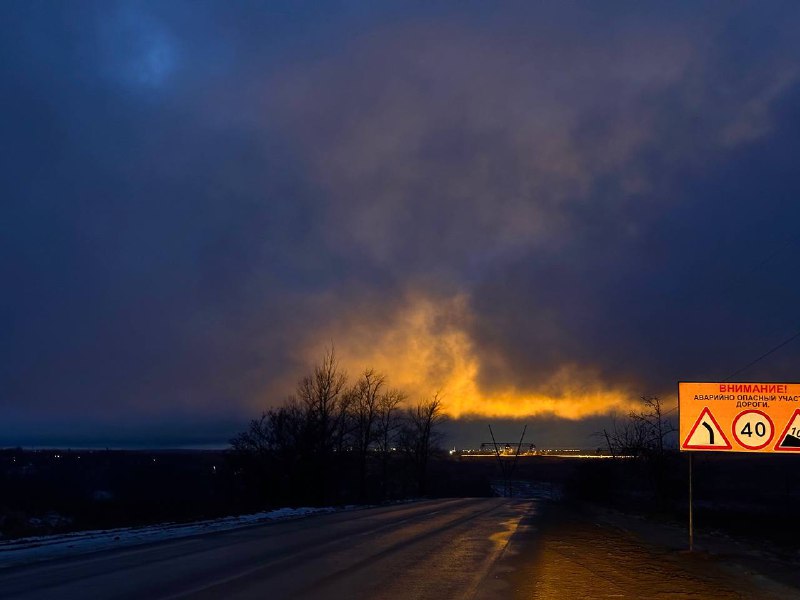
<point>424,349</point>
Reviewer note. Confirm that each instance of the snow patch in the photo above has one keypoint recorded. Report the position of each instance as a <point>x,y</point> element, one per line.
<point>34,549</point>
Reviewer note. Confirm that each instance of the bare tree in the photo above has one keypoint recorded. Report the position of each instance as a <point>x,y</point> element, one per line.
<point>322,444</point>
<point>256,440</point>
<point>387,424</point>
<point>343,424</point>
<point>271,450</point>
<point>421,435</point>
<point>322,393</point>
<point>654,424</point>
<point>278,430</point>
<point>644,432</point>
<point>626,438</point>
<point>388,421</point>
<point>366,395</point>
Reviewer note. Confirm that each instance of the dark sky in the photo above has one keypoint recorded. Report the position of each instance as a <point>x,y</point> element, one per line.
<point>542,210</point>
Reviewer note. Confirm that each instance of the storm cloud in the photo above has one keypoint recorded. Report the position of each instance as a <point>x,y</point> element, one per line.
<point>537,210</point>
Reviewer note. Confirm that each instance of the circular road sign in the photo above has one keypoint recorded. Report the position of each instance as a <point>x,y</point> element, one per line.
<point>753,429</point>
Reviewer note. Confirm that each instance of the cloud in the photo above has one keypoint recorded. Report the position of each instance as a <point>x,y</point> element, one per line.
<point>525,177</point>
<point>542,212</point>
<point>475,142</point>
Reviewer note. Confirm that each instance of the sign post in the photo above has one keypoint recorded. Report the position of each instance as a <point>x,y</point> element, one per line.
<point>737,417</point>
<point>691,507</point>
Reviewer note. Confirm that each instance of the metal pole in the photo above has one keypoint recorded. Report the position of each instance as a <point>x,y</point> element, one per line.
<point>499,462</point>
<point>516,456</point>
<point>691,506</point>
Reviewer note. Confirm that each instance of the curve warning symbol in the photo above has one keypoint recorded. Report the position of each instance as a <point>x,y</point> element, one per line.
<point>706,434</point>
<point>789,440</point>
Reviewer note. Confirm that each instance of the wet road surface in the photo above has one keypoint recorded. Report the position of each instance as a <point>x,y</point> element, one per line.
<point>465,548</point>
<point>435,549</point>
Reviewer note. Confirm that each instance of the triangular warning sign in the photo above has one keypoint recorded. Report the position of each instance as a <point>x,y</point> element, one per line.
<point>706,434</point>
<point>789,440</point>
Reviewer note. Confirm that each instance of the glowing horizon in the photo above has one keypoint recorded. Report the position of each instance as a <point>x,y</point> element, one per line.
<point>425,349</point>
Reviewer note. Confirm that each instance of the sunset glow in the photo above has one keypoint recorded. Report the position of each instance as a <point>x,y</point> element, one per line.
<point>425,349</point>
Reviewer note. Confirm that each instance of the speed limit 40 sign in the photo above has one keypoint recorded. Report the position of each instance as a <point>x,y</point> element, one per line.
<point>739,417</point>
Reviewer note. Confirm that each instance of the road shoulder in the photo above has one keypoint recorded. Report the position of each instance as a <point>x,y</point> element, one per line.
<point>571,552</point>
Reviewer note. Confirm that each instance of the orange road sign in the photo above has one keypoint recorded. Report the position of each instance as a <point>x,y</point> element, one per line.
<point>739,417</point>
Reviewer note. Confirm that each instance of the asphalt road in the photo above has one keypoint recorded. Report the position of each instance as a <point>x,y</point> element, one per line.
<point>434,549</point>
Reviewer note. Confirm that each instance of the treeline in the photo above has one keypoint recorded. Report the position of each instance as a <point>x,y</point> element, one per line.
<point>646,474</point>
<point>336,442</point>
<point>646,433</point>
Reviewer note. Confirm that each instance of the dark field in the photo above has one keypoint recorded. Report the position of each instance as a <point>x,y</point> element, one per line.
<point>53,491</point>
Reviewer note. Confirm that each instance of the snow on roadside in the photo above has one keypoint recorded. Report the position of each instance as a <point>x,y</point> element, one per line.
<point>34,549</point>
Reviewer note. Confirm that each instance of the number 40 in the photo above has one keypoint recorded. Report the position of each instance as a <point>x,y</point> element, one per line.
<point>760,430</point>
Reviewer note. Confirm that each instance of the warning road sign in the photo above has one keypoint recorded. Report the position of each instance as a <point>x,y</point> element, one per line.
<point>739,417</point>
<point>706,434</point>
<point>789,440</point>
